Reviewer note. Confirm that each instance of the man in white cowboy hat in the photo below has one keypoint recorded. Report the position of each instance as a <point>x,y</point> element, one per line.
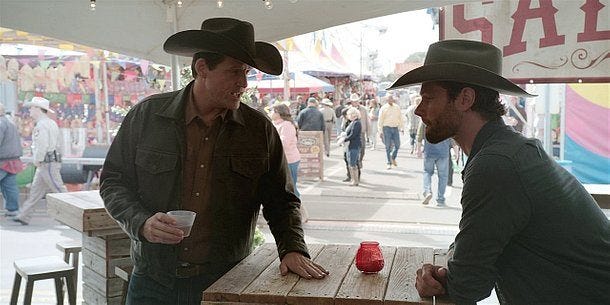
<point>326,107</point>
<point>528,227</point>
<point>200,149</point>
<point>46,152</point>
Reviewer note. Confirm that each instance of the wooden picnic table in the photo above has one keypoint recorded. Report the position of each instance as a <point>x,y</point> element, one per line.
<point>257,279</point>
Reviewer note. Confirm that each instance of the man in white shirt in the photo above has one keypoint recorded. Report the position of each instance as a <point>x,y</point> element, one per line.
<point>390,122</point>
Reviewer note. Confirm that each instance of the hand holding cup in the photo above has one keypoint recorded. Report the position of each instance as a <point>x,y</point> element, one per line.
<point>184,220</point>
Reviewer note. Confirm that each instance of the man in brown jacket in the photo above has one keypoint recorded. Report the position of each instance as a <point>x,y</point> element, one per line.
<point>200,149</point>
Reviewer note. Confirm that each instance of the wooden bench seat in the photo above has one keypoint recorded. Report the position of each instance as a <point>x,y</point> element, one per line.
<point>42,268</point>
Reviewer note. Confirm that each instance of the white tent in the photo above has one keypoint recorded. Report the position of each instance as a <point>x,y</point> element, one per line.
<point>299,83</point>
<point>138,28</point>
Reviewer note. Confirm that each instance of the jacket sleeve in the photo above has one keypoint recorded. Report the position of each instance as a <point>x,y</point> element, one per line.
<point>354,132</point>
<point>495,209</point>
<point>118,188</point>
<point>280,204</point>
<point>300,119</point>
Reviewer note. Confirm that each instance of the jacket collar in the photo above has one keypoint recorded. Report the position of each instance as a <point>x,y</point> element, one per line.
<point>174,108</point>
<point>483,135</point>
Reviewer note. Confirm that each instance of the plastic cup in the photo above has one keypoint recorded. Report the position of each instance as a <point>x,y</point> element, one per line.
<point>184,220</point>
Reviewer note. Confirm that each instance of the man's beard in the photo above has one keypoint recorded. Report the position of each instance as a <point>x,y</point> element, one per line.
<point>445,126</point>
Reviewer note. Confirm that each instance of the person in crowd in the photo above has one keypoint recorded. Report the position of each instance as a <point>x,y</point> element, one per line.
<point>301,104</point>
<point>453,151</point>
<point>364,121</point>
<point>339,116</point>
<point>287,129</point>
<point>413,120</point>
<point>46,152</point>
<point>200,149</point>
<point>373,117</point>
<point>391,124</point>
<point>353,135</point>
<point>436,155</point>
<point>341,141</point>
<point>10,164</point>
<point>329,122</point>
<point>310,118</point>
<point>528,228</point>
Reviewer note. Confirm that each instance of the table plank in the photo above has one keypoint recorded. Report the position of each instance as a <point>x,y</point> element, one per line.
<point>230,286</point>
<point>361,288</point>
<point>336,259</point>
<point>401,287</point>
<point>270,286</point>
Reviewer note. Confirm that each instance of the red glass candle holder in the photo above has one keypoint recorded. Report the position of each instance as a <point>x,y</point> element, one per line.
<point>369,258</point>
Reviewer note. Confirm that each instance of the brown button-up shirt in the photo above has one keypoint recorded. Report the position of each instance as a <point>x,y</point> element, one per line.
<point>200,142</point>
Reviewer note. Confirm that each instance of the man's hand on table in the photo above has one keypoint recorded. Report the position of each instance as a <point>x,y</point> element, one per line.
<point>160,228</point>
<point>301,265</point>
<point>431,280</point>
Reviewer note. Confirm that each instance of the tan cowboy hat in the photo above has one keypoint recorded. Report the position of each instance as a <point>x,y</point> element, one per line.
<point>326,102</point>
<point>354,97</point>
<point>40,102</point>
<point>464,61</point>
<point>230,37</point>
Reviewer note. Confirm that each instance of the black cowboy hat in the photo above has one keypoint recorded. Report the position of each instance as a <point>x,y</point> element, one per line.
<point>464,61</point>
<point>230,37</point>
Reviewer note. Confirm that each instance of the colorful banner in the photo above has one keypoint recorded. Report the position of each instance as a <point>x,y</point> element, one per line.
<point>588,131</point>
<point>541,41</point>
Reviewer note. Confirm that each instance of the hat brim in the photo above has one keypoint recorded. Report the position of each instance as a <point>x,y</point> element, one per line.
<point>187,43</point>
<point>30,104</point>
<point>460,72</point>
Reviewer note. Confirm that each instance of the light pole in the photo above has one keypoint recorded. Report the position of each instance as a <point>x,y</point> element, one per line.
<point>381,30</point>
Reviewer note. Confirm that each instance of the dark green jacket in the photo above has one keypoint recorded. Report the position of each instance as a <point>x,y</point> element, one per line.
<point>528,227</point>
<point>142,175</point>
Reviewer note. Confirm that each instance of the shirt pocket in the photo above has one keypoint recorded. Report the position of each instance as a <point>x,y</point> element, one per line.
<point>244,179</point>
<point>251,167</point>
<point>157,174</point>
<point>155,162</point>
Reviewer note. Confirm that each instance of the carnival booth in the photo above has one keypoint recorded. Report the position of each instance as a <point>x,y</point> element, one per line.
<point>299,83</point>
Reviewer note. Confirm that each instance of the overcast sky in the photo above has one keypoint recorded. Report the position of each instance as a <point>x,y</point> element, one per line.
<point>405,33</point>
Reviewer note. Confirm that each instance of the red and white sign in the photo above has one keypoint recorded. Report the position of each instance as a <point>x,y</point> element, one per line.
<point>541,40</point>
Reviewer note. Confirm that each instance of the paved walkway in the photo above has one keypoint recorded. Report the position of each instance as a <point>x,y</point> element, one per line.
<point>385,207</point>
<point>387,202</point>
